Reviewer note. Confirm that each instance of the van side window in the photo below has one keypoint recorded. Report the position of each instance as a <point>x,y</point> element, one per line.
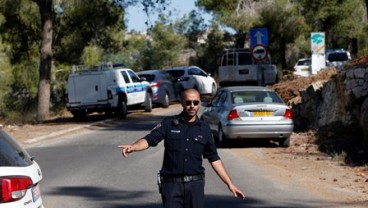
<point>244,59</point>
<point>229,59</point>
<point>125,76</point>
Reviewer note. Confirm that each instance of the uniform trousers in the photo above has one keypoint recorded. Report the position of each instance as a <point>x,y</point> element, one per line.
<point>183,194</point>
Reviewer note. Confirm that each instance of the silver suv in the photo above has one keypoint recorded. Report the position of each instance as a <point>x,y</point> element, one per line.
<point>337,57</point>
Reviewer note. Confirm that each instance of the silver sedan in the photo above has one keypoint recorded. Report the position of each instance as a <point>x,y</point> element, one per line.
<point>249,112</point>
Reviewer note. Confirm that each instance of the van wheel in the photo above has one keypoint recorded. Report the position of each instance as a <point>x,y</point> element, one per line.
<point>148,103</point>
<point>108,113</point>
<point>122,110</point>
<point>166,101</point>
<point>79,115</point>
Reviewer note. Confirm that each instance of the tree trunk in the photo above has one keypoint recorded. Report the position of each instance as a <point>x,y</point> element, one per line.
<point>366,7</point>
<point>46,56</point>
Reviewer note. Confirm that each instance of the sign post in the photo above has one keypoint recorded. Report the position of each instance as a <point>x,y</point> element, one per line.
<point>259,51</point>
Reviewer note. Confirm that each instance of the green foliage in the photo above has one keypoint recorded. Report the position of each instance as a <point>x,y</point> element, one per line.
<point>21,27</point>
<point>192,26</point>
<point>59,77</point>
<point>341,20</point>
<point>165,47</point>
<point>284,27</point>
<point>6,77</point>
<point>211,51</point>
<point>92,55</point>
<point>22,97</point>
<point>100,23</point>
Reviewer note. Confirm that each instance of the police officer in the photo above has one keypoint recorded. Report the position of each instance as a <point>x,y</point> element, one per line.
<point>186,140</point>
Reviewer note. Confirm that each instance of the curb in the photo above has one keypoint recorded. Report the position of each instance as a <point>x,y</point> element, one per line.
<point>59,133</point>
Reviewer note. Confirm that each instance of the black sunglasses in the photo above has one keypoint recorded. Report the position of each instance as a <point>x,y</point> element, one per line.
<point>190,102</point>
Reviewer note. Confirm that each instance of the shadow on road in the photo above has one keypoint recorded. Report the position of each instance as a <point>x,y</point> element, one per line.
<point>108,198</point>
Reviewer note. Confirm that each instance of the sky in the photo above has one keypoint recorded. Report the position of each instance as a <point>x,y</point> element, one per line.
<point>136,18</point>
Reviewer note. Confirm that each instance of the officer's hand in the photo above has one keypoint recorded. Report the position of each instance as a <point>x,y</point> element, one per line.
<point>126,149</point>
<point>236,192</point>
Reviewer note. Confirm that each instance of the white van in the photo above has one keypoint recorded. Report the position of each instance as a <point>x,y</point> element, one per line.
<point>237,67</point>
<point>106,88</point>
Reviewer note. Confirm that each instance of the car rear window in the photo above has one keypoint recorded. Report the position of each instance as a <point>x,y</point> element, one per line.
<point>12,154</point>
<point>338,57</point>
<point>149,77</point>
<point>255,97</point>
<point>245,59</point>
<point>176,73</point>
<point>304,62</point>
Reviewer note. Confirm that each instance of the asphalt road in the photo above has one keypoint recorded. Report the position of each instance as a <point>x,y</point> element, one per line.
<point>86,169</point>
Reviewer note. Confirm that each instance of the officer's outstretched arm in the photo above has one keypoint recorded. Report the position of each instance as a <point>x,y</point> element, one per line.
<point>219,168</point>
<point>139,145</point>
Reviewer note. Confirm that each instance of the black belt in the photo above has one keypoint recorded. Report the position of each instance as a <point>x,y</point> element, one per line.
<point>182,179</point>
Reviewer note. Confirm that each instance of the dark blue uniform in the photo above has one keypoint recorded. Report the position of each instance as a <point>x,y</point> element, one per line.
<point>182,171</point>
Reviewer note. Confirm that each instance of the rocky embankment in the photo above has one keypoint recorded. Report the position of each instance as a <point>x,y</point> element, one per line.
<point>334,104</point>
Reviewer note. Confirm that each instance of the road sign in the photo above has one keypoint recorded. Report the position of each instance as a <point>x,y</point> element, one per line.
<point>258,36</point>
<point>259,52</point>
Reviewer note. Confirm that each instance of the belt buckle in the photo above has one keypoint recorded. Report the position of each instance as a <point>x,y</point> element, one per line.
<point>187,179</point>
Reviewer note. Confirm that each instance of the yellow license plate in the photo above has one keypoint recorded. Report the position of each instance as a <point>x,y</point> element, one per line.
<point>262,113</point>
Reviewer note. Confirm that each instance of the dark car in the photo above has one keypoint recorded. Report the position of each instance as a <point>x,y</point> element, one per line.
<point>163,90</point>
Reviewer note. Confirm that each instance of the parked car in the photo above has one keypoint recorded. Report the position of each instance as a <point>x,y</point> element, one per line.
<point>109,88</point>
<point>303,67</point>
<point>337,57</point>
<point>249,112</point>
<point>238,67</point>
<point>20,175</point>
<point>193,77</point>
<point>162,86</point>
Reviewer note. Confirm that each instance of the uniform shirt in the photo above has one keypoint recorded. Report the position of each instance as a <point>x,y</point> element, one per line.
<point>185,144</point>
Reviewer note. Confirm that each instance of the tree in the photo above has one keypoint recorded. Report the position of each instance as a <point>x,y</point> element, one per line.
<point>46,57</point>
<point>284,27</point>
<point>47,14</point>
<point>212,50</point>
<point>165,48</point>
<point>334,17</point>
